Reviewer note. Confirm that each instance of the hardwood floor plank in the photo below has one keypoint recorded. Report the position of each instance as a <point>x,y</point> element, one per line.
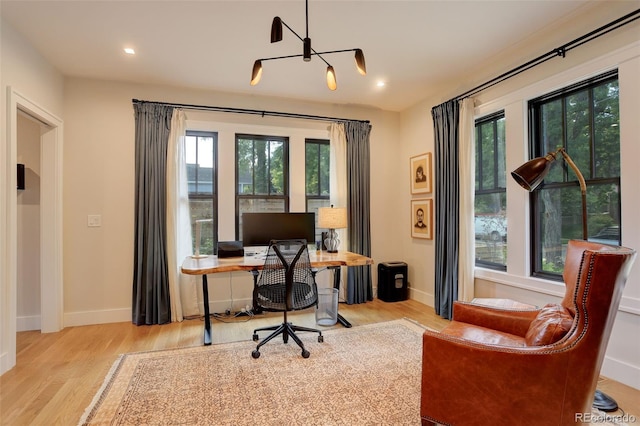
<point>57,374</point>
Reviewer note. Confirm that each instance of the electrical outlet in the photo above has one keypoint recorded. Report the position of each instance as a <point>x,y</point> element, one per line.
<point>94,220</point>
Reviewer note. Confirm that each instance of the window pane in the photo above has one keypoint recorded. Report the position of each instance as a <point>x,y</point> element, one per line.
<point>607,130</point>
<point>324,170</point>
<point>584,118</point>
<point>276,171</point>
<point>200,156</point>
<point>261,167</point>
<point>245,166</point>
<point>311,168</point>
<point>203,209</point>
<point>490,199</point>
<point>258,205</point>
<point>261,175</point>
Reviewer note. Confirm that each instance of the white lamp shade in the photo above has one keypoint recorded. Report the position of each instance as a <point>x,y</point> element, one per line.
<point>332,217</point>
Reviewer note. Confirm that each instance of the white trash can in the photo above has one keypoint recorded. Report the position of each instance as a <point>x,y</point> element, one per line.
<point>327,310</point>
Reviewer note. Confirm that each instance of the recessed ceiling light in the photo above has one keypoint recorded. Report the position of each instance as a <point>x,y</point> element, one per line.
<point>380,84</point>
<point>129,51</point>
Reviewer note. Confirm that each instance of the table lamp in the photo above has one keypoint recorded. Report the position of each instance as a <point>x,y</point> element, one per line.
<point>332,219</point>
<point>529,176</point>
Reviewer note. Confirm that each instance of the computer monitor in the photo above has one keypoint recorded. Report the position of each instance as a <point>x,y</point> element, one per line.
<point>258,229</point>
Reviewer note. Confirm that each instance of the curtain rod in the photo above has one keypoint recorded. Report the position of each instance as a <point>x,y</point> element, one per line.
<point>560,51</point>
<point>250,111</point>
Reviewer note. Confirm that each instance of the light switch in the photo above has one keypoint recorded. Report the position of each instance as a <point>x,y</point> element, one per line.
<point>94,220</point>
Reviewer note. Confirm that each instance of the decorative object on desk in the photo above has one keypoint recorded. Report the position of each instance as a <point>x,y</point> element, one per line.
<point>344,384</point>
<point>420,168</point>
<point>199,223</point>
<point>230,249</point>
<point>307,52</point>
<point>529,176</point>
<point>286,283</point>
<point>332,218</point>
<point>422,219</point>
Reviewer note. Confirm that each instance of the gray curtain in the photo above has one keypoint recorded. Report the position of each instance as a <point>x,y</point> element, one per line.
<point>359,288</point>
<point>151,304</point>
<point>447,188</point>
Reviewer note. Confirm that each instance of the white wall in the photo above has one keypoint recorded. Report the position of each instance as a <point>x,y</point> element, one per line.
<point>620,49</point>
<point>26,72</point>
<point>99,179</point>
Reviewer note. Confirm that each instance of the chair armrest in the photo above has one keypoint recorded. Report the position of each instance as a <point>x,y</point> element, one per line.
<point>513,321</point>
<point>465,382</point>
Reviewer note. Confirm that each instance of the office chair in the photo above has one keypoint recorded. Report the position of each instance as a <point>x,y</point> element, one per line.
<point>286,283</point>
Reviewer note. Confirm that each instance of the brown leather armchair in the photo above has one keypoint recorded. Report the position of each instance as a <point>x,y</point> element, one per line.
<point>493,366</point>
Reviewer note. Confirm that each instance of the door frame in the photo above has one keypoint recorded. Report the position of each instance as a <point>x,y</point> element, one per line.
<point>51,245</point>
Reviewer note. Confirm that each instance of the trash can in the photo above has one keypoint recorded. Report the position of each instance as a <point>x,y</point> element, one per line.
<point>327,310</point>
<point>392,281</point>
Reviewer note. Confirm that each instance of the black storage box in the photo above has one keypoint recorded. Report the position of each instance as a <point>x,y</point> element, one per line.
<point>230,249</point>
<point>392,281</point>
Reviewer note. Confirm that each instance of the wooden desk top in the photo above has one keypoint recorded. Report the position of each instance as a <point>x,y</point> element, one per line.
<point>211,264</point>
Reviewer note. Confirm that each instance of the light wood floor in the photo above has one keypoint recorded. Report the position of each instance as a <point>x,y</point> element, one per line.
<point>57,374</point>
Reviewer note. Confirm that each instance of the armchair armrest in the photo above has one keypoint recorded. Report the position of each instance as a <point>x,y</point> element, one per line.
<point>512,321</point>
<point>479,381</point>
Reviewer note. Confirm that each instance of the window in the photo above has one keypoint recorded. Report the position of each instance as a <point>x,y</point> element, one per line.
<point>201,152</point>
<point>584,119</point>
<point>317,177</point>
<point>490,193</point>
<point>262,175</point>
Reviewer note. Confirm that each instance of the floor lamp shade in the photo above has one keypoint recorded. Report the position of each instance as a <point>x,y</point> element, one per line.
<point>332,218</point>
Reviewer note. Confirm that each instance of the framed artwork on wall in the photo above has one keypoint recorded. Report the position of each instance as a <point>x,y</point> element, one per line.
<point>420,167</point>
<point>422,219</point>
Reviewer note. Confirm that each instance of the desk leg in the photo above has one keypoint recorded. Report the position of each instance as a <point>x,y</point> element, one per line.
<point>336,284</point>
<point>207,317</point>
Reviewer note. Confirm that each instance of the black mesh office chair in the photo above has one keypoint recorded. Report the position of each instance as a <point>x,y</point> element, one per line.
<point>286,283</point>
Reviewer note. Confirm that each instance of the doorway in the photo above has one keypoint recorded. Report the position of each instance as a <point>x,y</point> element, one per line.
<point>50,235</point>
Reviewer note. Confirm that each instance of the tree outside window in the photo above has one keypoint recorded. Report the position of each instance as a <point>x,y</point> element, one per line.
<point>490,193</point>
<point>317,177</point>
<point>584,119</point>
<point>262,175</point>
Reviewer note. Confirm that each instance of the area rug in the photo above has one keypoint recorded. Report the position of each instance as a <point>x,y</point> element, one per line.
<point>365,375</point>
<point>368,374</point>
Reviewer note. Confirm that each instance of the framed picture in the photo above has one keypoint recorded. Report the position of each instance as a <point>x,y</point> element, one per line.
<point>422,219</point>
<point>420,168</point>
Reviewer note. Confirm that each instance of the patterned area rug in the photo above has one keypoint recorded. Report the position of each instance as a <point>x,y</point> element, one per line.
<point>363,375</point>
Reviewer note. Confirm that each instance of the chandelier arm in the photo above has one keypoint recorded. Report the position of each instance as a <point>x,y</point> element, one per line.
<point>291,29</point>
<point>318,54</point>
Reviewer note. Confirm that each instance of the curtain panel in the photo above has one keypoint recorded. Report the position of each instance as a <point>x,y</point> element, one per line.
<point>447,197</point>
<point>151,300</point>
<point>359,287</point>
<point>467,244</point>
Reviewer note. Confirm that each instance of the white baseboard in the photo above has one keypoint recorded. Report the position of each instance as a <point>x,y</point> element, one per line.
<point>4,363</point>
<point>73,319</point>
<point>621,372</point>
<point>28,323</point>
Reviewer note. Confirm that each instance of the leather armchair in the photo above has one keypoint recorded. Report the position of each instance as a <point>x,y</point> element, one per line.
<point>527,366</point>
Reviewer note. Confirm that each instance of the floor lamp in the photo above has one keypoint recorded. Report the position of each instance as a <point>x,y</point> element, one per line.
<point>529,176</point>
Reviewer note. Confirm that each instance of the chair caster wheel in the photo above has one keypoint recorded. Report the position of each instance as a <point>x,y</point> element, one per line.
<point>256,354</point>
<point>320,339</point>
<point>305,353</point>
<point>255,337</point>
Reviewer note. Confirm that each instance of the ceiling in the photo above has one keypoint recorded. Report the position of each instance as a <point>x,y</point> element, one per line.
<point>412,46</point>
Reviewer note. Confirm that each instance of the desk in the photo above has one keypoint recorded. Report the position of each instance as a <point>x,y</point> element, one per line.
<point>212,265</point>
